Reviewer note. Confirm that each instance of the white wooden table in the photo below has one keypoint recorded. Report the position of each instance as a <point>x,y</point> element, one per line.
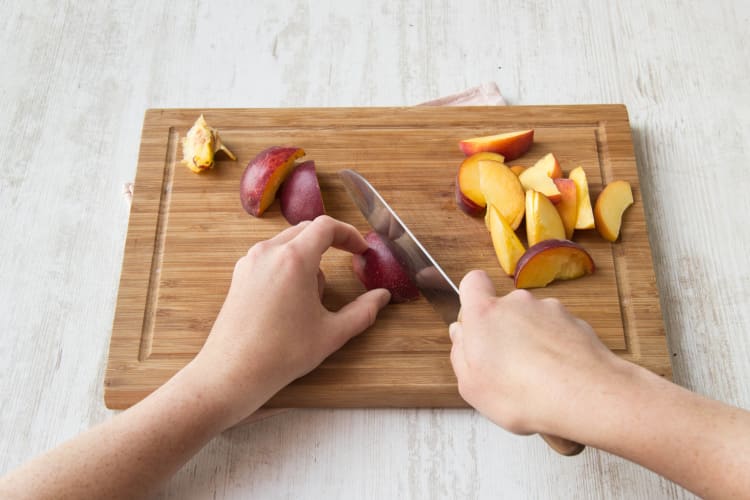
<point>77,77</point>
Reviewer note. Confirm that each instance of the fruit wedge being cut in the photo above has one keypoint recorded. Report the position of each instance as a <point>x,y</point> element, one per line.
<point>511,144</point>
<point>502,190</point>
<point>552,260</point>
<point>542,220</point>
<point>469,197</point>
<point>378,267</point>
<point>263,176</point>
<point>508,247</point>
<point>539,177</point>
<point>585,216</point>
<point>568,207</point>
<point>610,205</point>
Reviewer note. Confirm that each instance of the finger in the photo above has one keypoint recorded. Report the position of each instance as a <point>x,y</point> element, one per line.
<point>321,283</point>
<point>476,285</point>
<point>289,233</point>
<point>458,362</point>
<point>357,316</point>
<point>325,232</point>
<point>455,332</point>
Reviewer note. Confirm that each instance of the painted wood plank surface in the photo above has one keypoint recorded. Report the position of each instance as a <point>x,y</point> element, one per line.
<point>78,76</point>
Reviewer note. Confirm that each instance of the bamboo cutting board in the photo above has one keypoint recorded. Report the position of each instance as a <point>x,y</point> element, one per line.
<point>186,232</point>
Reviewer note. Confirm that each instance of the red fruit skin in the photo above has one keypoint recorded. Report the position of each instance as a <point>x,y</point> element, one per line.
<point>263,175</point>
<point>300,195</point>
<point>379,268</point>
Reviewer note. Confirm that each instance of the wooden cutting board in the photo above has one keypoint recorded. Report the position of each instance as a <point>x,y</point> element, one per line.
<point>186,232</point>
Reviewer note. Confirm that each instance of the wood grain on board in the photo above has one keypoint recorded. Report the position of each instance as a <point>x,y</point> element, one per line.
<point>186,232</point>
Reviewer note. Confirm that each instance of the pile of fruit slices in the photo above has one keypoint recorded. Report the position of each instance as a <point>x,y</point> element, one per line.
<point>552,206</point>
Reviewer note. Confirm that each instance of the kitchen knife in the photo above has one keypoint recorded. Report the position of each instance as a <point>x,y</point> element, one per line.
<point>429,277</point>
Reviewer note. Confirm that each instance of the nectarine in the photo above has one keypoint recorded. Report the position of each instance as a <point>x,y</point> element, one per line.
<point>502,190</point>
<point>511,145</point>
<point>567,208</point>
<point>542,220</point>
<point>300,196</point>
<point>517,169</point>
<point>585,217</point>
<point>263,176</point>
<point>539,177</point>
<point>508,247</point>
<point>378,267</point>
<point>552,260</point>
<point>469,197</point>
<point>610,205</point>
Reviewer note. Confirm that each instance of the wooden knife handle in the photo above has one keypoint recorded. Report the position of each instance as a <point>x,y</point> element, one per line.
<point>563,446</point>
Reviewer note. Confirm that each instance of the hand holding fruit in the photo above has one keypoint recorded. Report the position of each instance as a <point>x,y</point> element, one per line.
<point>273,327</point>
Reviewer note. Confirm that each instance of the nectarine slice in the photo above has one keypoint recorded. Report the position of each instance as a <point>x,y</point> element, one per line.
<point>300,197</point>
<point>585,217</point>
<point>508,247</point>
<point>469,197</point>
<point>610,205</point>
<point>502,190</point>
<point>568,207</point>
<point>542,220</point>
<point>517,169</point>
<point>263,176</point>
<point>511,144</point>
<point>552,260</point>
<point>378,267</point>
<point>539,177</point>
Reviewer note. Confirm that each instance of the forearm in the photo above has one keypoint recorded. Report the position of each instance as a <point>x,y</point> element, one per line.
<point>131,454</point>
<point>696,442</point>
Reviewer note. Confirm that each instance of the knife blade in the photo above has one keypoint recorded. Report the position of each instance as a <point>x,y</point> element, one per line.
<point>424,271</point>
<point>430,278</point>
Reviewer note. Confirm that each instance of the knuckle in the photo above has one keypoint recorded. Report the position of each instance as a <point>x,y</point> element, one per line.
<point>552,301</point>
<point>521,295</point>
<point>292,256</point>
<point>259,248</point>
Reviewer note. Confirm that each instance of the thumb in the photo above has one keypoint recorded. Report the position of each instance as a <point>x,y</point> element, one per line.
<point>358,315</point>
<point>475,286</point>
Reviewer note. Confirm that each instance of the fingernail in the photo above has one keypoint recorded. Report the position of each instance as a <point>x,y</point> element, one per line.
<point>386,297</point>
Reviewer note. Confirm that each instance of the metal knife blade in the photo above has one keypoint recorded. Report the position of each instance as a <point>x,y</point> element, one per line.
<point>429,277</point>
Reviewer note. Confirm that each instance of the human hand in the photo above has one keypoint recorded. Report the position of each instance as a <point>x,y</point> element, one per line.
<point>273,327</point>
<point>524,363</point>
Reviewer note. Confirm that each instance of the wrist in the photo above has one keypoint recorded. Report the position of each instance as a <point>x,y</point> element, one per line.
<point>229,396</point>
<point>595,405</point>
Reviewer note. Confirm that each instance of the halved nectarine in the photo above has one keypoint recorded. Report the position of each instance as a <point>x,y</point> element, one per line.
<point>263,176</point>
<point>552,260</point>
<point>511,144</point>
<point>610,205</point>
